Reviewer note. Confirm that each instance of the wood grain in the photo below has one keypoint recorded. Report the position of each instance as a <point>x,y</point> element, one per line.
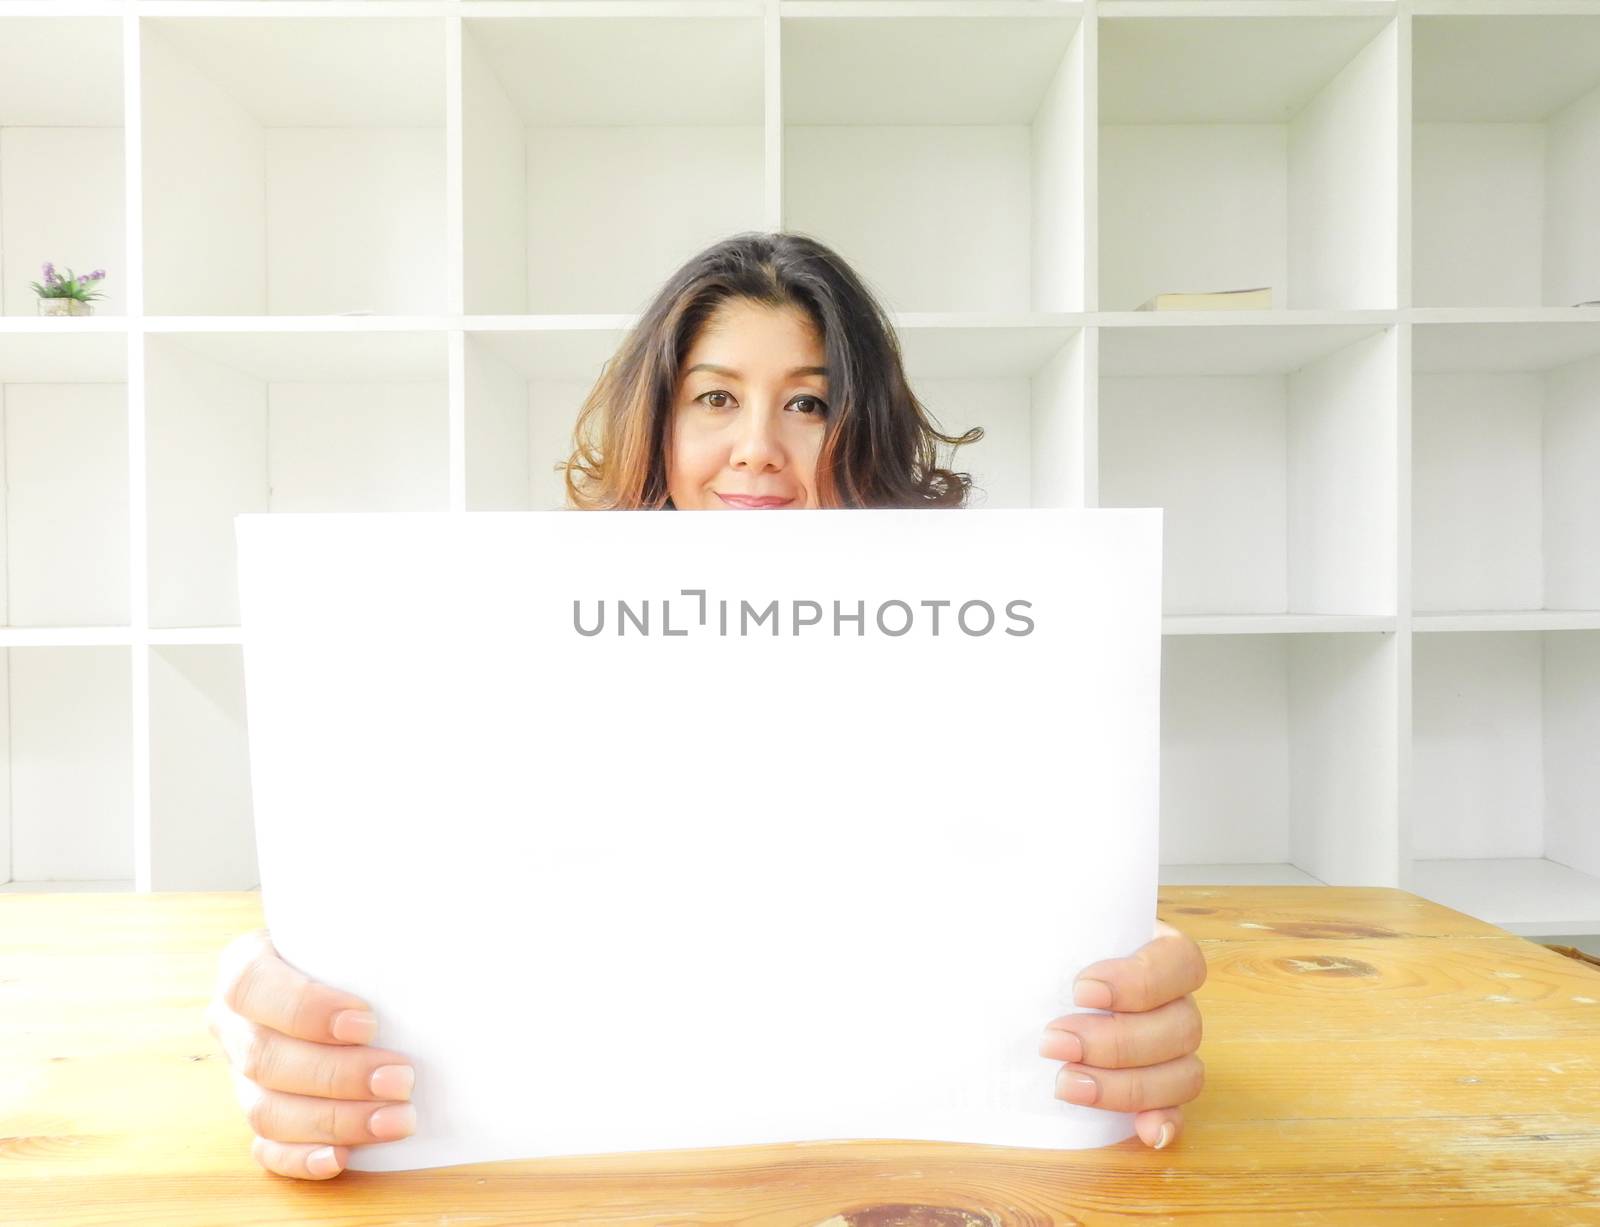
<point>1372,1058</point>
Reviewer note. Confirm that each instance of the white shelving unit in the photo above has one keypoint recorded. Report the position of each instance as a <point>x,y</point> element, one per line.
<point>371,254</point>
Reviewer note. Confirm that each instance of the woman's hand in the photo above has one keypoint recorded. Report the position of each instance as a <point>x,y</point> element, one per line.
<point>309,1088</point>
<point>1141,1058</point>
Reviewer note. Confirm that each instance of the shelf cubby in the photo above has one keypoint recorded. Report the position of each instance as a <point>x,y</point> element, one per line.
<point>594,164</point>
<point>1024,384</point>
<point>1505,779</point>
<point>940,153</point>
<point>202,833</point>
<point>74,220</point>
<point>1278,757</point>
<point>1272,449</point>
<point>1505,159</point>
<point>66,813</point>
<point>1238,151</point>
<point>293,165</point>
<point>524,390</point>
<point>64,460</point>
<point>280,421</point>
<point>1505,451</point>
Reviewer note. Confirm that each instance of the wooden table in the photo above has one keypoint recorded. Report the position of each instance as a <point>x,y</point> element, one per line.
<point>1372,1058</point>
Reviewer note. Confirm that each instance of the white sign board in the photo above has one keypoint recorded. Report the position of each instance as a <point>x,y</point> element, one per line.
<point>659,831</point>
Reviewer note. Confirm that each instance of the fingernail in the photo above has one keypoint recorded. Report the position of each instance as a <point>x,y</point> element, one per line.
<point>395,1120</point>
<point>322,1162</point>
<point>355,1026</point>
<point>393,1082</point>
<point>1060,1045</point>
<point>1092,994</point>
<point>1166,1135</point>
<point>1076,1087</point>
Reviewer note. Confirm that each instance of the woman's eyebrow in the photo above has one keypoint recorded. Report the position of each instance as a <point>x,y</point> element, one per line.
<point>729,371</point>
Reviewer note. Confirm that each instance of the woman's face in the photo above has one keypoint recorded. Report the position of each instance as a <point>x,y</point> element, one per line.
<point>749,412</point>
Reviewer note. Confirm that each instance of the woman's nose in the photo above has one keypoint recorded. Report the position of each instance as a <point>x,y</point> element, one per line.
<point>758,445</point>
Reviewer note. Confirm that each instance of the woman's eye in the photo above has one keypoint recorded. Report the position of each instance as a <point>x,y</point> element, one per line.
<point>811,406</point>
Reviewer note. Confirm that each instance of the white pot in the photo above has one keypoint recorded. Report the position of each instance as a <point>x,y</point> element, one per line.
<point>65,306</point>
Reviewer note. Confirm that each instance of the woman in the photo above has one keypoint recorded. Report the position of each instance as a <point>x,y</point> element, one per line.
<point>763,377</point>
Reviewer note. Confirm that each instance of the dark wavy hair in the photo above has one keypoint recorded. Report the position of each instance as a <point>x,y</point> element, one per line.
<point>880,448</point>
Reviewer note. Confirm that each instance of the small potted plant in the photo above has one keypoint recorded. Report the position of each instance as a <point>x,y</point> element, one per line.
<point>67,295</point>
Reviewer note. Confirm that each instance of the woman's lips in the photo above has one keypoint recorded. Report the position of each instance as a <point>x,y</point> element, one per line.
<point>752,504</point>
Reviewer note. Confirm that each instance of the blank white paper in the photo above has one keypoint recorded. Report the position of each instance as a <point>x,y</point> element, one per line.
<point>708,878</point>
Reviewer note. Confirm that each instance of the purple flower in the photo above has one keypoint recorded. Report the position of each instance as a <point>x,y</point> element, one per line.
<point>50,277</point>
<point>97,275</point>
